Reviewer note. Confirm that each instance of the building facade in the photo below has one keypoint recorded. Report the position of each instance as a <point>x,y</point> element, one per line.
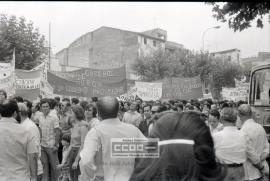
<point>108,47</point>
<point>232,55</point>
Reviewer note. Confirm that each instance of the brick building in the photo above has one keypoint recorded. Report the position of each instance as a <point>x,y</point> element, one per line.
<point>108,47</point>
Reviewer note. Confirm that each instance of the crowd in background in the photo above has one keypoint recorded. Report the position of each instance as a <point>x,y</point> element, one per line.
<point>226,143</point>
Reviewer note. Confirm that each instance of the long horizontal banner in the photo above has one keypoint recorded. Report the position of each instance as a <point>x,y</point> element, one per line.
<point>67,87</point>
<point>87,76</point>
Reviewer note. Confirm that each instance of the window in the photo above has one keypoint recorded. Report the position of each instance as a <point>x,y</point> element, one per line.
<point>260,92</point>
<point>154,43</point>
<point>229,58</point>
<point>145,41</point>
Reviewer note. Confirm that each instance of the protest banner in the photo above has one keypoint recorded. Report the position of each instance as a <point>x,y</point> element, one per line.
<point>234,94</point>
<point>149,91</point>
<point>182,88</point>
<point>92,89</point>
<point>129,96</point>
<point>90,77</point>
<point>27,83</point>
<point>7,76</point>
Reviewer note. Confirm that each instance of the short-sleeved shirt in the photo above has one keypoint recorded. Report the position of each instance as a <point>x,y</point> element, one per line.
<point>16,145</point>
<point>33,129</point>
<point>228,151</point>
<point>47,125</point>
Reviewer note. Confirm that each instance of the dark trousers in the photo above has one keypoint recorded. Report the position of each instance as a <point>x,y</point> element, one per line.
<point>49,159</point>
<point>74,173</point>
<point>235,174</point>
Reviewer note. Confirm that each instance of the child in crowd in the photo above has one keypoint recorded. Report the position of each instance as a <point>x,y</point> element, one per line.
<point>64,166</point>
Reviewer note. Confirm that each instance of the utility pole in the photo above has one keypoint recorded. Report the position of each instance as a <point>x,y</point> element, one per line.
<point>49,46</point>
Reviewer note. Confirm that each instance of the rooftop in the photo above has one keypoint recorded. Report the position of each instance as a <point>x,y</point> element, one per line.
<point>226,51</point>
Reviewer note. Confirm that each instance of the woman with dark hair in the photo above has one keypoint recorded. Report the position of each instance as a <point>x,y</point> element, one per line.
<point>78,132</point>
<point>91,116</point>
<point>186,151</point>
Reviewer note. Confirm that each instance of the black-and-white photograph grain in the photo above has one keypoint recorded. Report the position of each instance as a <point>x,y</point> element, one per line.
<point>134,91</point>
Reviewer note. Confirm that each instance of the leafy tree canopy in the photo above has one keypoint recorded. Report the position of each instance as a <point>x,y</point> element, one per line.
<point>29,44</point>
<point>240,15</point>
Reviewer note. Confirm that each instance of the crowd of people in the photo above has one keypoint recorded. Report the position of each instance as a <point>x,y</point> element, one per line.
<point>70,140</point>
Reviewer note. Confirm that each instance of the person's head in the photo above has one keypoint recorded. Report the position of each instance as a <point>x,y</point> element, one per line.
<point>134,106</point>
<point>225,104</point>
<point>65,140</point>
<point>77,112</point>
<point>18,99</point>
<point>228,116</point>
<point>52,103</point>
<point>3,95</point>
<point>29,107</point>
<point>107,107</point>
<point>196,156</point>
<point>66,100</point>
<point>9,108</point>
<point>35,106</point>
<point>143,104</point>
<point>23,110</point>
<point>213,118</point>
<point>147,111</point>
<point>139,101</point>
<point>156,110</point>
<point>213,106</point>
<point>244,112</point>
<point>179,107</point>
<point>65,106</point>
<point>45,106</point>
<point>84,104</point>
<point>189,107</point>
<point>90,111</point>
<point>74,101</point>
<point>126,106</point>
<point>57,98</point>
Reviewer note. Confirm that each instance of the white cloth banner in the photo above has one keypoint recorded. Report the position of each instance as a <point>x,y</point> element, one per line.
<point>149,91</point>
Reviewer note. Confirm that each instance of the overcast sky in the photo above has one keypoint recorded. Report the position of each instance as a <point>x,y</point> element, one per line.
<point>184,22</point>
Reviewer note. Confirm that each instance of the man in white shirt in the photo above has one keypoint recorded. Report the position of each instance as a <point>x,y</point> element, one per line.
<point>96,159</point>
<point>18,153</point>
<point>231,146</point>
<point>258,140</point>
<point>33,129</point>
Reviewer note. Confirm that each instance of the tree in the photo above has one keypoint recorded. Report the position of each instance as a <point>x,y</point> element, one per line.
<point>240,15</point>
<point>157,66</point>
<point>29,44</point>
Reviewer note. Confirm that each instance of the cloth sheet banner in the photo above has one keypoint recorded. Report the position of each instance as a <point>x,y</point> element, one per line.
<point>91,77</point>
<point>92,89</point>
<point>235,94</point>
<point>149,91</point>
<point>182,88</point>
<point>27,83</point>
